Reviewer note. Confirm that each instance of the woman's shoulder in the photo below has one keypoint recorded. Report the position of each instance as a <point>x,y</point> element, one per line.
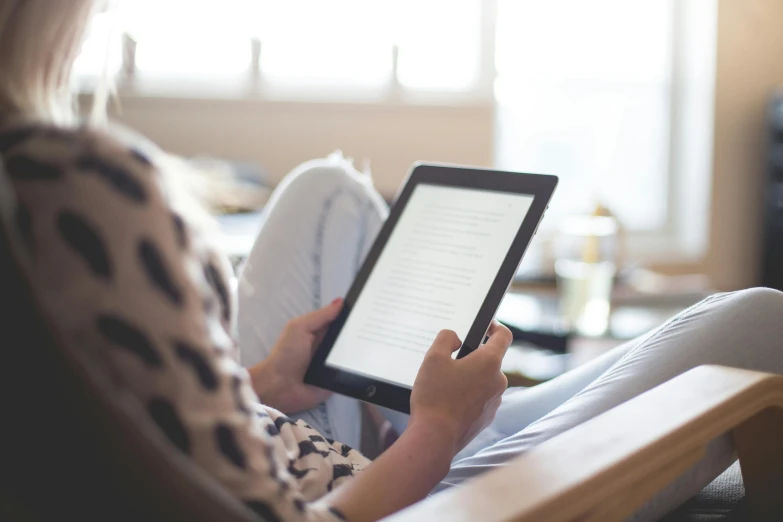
<point>114,188</point>
<point>45,151</point>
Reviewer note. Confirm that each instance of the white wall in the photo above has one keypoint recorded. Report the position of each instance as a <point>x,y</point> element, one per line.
<point>280,135</point>
<point>750,65</point>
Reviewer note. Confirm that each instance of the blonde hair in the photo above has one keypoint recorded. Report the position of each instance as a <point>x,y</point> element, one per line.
<point>39,41</point>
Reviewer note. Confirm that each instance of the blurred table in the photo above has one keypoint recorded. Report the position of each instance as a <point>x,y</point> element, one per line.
<point>544,347</point>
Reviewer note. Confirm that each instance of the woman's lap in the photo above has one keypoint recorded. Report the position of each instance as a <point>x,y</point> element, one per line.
<point>319,225</point>
<point>522,407</point>
<point>741,329</point>
<point>322,220</point>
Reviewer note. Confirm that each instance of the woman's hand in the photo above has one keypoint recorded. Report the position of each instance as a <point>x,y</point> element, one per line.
<point>452,401</point>
<point>279,379</point>
<point>460,396</point>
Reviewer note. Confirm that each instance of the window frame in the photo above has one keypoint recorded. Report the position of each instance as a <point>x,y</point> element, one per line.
<point>251,84</point>
<point>683,237</point>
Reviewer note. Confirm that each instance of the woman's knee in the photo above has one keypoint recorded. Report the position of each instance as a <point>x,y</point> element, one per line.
<point>742,328</point>
<point>325,176</point>
<point>761,303</point>
<point>747,330</point>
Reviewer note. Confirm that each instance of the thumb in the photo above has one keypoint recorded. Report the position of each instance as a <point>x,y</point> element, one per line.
<point>446,342</point>
<point>317,319</point>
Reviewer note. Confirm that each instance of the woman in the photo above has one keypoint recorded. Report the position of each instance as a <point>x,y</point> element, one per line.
<point>120,260</point>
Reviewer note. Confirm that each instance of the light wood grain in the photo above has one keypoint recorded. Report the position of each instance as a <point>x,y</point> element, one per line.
<point>623,505</point>
<point>615,462</point>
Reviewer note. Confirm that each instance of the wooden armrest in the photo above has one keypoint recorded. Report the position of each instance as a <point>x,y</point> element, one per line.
<point>606,468</point>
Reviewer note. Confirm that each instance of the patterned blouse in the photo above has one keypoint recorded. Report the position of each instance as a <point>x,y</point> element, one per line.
<point>124,274</point>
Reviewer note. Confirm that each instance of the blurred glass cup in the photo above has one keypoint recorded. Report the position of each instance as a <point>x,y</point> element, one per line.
<point>585,264</point>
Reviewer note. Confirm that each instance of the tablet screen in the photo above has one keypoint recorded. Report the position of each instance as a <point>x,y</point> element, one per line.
<point>433,274</point>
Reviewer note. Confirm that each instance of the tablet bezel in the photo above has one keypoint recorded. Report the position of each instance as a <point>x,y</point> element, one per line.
<point>397,397</point>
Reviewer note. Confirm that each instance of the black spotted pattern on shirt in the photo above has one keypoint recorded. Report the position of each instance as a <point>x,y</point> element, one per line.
<point>342,470</point>
<point>282,421</point>
<point>154,267</point>
<point>264,510</point>
<point>307,447</point>
<point>128,337</point>
<point>139,156</point>
<point>270,458</point>
<point>218,285</point>
<point>85,241</point>
<point>227,444</point>
<point>167,419</point>
<point>345,450</point>
<point>24,224</point>
<point>10,139</point>
<point>208,305</point>
<point>116,177</point>
<point>298,474</point>
<point>22,168</point>
<point>83,238</point>
<point>272,430</point>
<point>236,388</point>
<point>56,135</point>
<point>193,358</point>
<point>180,230</point>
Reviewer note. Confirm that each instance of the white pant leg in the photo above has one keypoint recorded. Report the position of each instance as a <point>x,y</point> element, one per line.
<point>741,329</point>
<point>319,224</point>
<point>521,407</point>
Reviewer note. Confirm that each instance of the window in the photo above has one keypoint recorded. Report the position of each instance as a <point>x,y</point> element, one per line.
<point>181,38</point>
<point>584,91</point>
<point>421,45</point>
<point>101,50</point>
<point>613,96</point>
<point>340,43</point>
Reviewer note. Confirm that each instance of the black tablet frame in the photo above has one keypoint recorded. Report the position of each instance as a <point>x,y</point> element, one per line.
<point>397,397</point>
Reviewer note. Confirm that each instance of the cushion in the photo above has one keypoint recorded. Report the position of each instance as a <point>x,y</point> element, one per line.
<point>722,500</point>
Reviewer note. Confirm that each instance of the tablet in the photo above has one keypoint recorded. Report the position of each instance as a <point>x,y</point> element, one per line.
<point>443,260</point>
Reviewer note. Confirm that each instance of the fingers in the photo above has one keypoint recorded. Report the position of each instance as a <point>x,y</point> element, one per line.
<point>493,406</point>
<point>499,340</point>
<point>320,318</point>
<point>502,383</point>
<point>446,342</point>
<point>318,394</point>
<point>493,327</point>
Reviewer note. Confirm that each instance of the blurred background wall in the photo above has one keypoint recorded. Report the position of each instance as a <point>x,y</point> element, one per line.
<point>389,134</point>
<point>749,67</point>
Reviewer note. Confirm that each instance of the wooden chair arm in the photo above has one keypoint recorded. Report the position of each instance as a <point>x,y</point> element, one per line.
<point>608,467</point>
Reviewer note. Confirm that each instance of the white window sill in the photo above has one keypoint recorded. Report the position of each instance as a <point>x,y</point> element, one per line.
<point>237,88</point>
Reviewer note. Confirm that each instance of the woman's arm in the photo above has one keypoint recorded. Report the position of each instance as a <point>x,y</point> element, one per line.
<point>279,379</point>
<point>452,401</point>
<point>401,476</point>
<point>125,277</point>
